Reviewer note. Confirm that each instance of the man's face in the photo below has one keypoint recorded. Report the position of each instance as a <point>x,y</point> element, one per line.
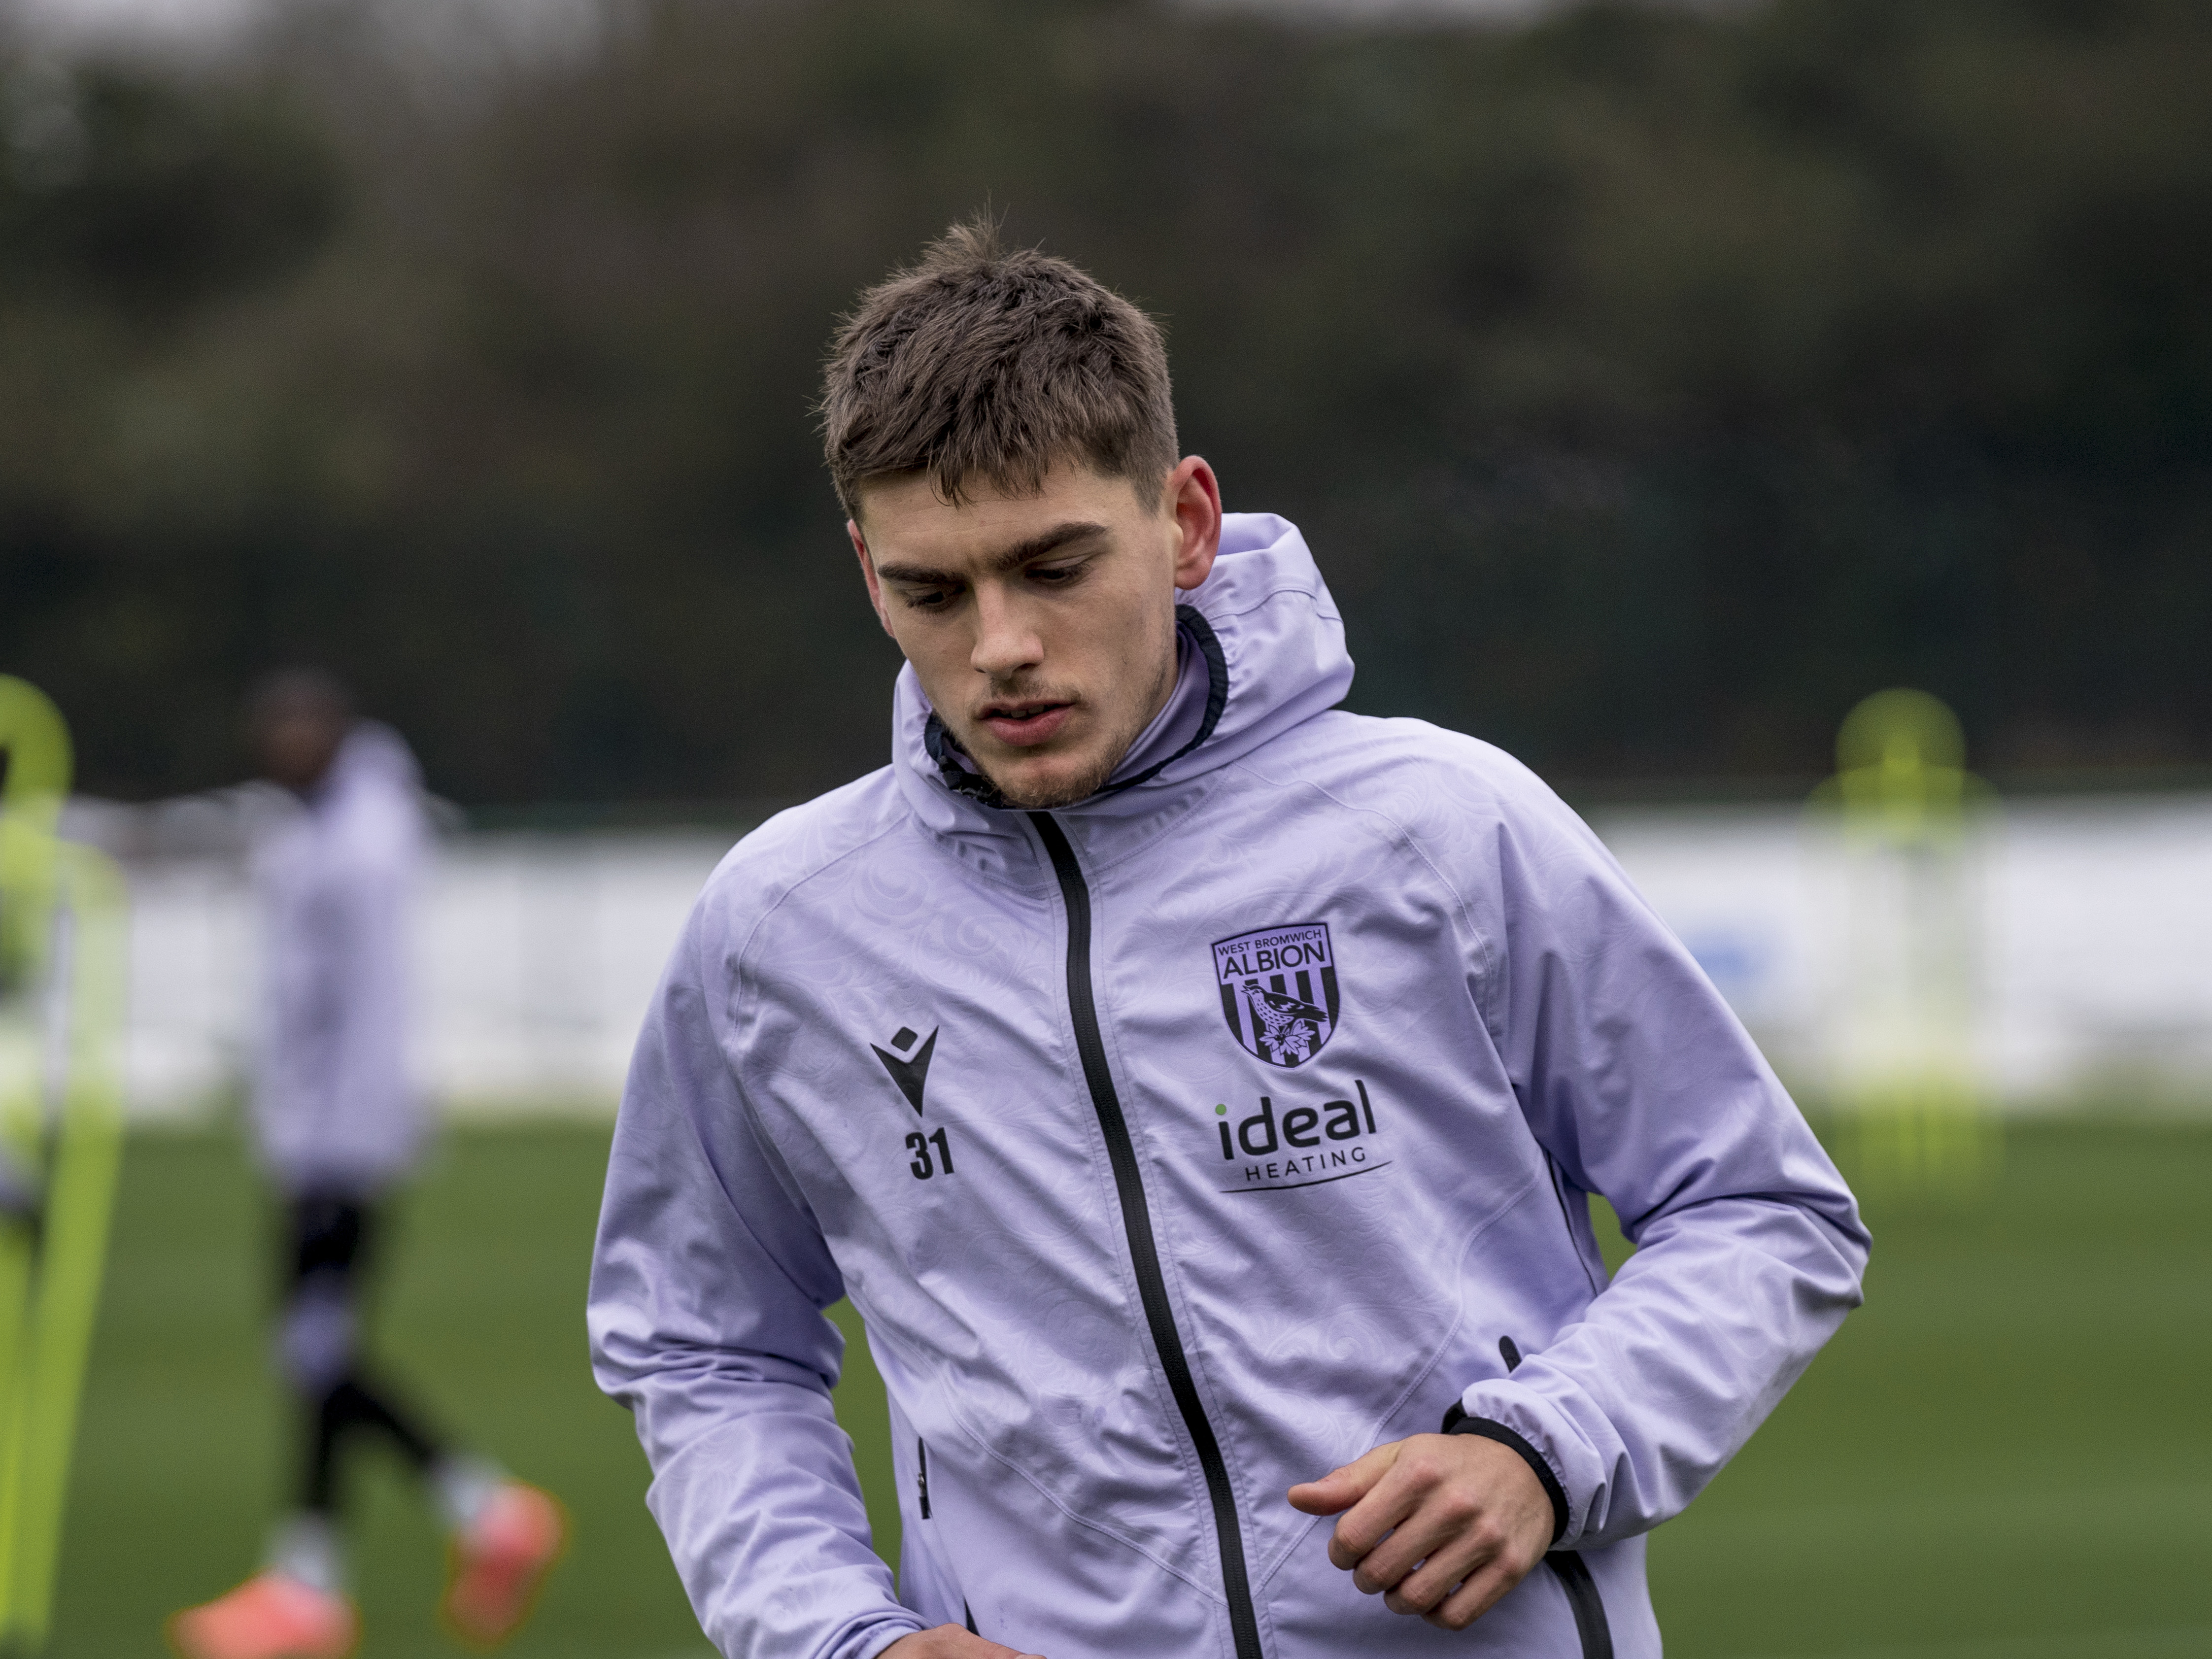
<point>1042,627</point>
<point>296,743</point>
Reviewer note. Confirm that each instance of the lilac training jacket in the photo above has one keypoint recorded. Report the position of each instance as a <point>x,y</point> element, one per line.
<point>334,1108</point>
<point>1181,1146</point>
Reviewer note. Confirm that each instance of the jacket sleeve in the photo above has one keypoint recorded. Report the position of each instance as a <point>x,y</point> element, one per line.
<point>1640,1085</point>
<point>708,1283</point>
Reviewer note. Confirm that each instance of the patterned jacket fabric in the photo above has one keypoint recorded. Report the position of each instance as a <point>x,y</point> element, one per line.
<point>1181,1145</point>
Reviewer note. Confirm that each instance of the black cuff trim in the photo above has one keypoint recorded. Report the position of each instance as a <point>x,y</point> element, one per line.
<point>1456,1421</point>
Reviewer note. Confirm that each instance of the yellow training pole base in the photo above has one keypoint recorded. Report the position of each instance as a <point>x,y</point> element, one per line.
<point>1932,1139</point>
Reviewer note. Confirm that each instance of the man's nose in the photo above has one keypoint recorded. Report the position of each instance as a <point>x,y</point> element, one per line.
<point>1006,638</point>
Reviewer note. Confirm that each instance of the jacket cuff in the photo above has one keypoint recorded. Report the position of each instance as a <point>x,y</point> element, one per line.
<point>1456,1421</point>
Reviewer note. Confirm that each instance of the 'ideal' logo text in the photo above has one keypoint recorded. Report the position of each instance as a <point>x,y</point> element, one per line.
<point>1303,1146</point>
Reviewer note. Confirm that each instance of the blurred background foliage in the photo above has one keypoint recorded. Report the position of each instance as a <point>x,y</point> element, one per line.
<point>1650,385</point>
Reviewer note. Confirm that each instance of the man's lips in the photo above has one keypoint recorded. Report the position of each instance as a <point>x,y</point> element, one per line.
<point>1025,724</point>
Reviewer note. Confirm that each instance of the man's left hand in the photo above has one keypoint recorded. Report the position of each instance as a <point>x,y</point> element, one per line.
<point>1440,1525</point>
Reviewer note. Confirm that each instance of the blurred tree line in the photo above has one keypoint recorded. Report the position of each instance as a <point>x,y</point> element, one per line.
<point>1650,385</point>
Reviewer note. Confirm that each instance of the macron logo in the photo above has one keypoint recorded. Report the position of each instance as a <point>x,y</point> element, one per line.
<point>910,1074</point>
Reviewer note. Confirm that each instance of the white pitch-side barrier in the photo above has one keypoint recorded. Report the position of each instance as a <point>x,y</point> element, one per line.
<point>537,953</point>
<point>2090,947</point>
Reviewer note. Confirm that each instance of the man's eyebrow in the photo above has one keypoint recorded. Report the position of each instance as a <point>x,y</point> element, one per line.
<point>1014,557</point>
<point>1010,558</point>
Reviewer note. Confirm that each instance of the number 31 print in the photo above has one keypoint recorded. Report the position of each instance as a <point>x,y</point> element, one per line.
<point>918,1144</point>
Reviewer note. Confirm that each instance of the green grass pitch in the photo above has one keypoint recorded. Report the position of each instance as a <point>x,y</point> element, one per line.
<point>2007,1454</point>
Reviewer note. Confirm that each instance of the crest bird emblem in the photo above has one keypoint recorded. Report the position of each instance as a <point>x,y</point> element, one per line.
<point>1279,991</point>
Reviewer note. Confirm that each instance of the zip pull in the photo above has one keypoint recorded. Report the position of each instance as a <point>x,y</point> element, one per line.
<point>1509,1353</point>
<point>921,1474</point>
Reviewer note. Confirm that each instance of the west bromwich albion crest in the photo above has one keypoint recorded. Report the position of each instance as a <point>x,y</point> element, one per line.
<point>1278,990</point>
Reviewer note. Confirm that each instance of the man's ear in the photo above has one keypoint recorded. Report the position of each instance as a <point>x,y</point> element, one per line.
<point>1194,498</point>
<point>868,574</point>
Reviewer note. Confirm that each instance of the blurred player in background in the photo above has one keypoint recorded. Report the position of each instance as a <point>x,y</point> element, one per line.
<point>338,1125</point>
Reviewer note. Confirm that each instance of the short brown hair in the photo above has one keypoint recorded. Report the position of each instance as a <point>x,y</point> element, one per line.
<point>975,362</point>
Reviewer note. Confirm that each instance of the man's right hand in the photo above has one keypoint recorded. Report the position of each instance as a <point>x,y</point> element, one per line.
<point>950,1642</point>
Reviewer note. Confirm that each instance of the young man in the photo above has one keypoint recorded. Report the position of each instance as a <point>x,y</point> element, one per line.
<point>1195,1087</point>
<point>338,1125</point>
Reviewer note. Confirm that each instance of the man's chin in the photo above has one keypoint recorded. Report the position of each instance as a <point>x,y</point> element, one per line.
<point>1041,786</point>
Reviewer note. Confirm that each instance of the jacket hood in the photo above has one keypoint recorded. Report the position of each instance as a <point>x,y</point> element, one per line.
<point>1265,633</point>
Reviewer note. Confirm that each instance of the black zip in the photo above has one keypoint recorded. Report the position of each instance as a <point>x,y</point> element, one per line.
<point>1583,1600</point>
<point>1567,1566</point>
<point>1144,1253</point>
<point>921,1477</point>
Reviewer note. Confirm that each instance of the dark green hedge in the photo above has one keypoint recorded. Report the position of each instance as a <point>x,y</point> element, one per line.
<point>1652,385</point>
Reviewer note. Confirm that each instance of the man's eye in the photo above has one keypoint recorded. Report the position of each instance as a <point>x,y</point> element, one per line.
<point>1056,575</point>
<point>927,599</point>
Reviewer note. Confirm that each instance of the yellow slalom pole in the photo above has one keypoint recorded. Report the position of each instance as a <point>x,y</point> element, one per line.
<point>61,971</point>
<point>73,1248</point>
<point>36,743</point>
<point>1907,807</point>
<point>38,765</point>
<point>18,1264</point>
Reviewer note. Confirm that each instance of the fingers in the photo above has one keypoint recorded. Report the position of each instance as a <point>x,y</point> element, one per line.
<point>1444,1531</point>
<point>1404,1481</point>
<point>1477,1552</point>
<point>1482,1591</point>
<point>1340,1489</point>
<point>1440,1541</point>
